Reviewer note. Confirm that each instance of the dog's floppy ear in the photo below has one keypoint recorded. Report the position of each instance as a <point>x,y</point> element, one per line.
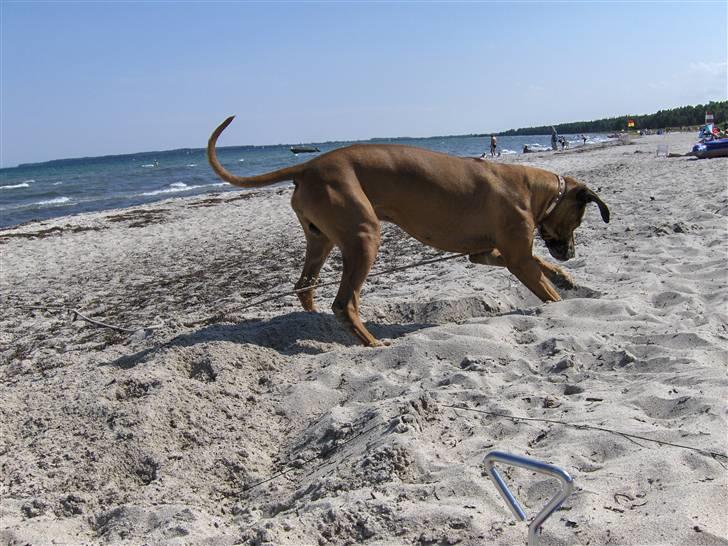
<point>586,195</point>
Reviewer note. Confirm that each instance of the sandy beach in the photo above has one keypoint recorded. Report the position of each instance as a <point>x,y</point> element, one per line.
<point>216,422</point>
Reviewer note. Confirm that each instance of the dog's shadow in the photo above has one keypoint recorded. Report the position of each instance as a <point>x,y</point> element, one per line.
<point>291,334</point>
<point>315,333</point>
<point>294,333</point>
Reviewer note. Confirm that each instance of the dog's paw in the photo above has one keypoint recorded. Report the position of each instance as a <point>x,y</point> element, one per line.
<point>563,280</point>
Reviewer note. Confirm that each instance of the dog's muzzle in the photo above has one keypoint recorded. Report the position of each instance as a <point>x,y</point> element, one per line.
<point>561,250</point>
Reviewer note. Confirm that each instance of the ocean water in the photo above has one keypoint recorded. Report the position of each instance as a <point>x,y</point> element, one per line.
<point>70,186</point>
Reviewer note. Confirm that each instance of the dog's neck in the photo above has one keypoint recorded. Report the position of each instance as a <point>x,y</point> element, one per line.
<point>555,200</point>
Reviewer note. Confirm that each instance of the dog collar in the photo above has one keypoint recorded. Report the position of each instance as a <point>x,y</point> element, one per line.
<point>557,199</point>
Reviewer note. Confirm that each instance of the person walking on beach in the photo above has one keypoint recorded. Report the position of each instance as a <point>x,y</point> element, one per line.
<point>554,138</point>
<point>493,146</point>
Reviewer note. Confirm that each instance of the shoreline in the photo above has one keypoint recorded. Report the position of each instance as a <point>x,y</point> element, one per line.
<point>150,154</point>
<point>205,167</point>
<point>230,425</point>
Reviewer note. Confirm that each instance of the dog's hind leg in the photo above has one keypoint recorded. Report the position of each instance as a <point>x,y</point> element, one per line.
<point>318,247</point>
<point>358,252</point>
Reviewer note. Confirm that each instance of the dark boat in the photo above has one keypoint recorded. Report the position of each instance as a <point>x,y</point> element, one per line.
<point>711,148</point>
<point>304,149</point>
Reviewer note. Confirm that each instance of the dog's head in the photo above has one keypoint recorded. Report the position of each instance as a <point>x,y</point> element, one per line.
<point>557,229</point>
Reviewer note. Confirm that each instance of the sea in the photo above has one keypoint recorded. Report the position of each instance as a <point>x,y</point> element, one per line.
<point>62,187</point>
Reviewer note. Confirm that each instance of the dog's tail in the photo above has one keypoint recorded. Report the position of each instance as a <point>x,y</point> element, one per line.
<point>245,181</point>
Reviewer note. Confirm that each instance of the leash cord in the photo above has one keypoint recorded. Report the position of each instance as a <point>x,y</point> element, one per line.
<point>77,314</point>
<point>288,467</point>
<point>713,454</point>
<point>329,283</point>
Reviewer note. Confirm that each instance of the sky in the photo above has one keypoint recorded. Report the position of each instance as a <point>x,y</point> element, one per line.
<point>96,78</point>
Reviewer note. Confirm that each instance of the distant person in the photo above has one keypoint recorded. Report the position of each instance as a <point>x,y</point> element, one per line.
<point>493,147</point>
<point>562,141</point>
<point>583,138</point>
<point>554,138</point>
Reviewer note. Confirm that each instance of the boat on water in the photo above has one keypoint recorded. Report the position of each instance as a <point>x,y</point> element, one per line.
<point>304,149</point>
<point>711,148</point>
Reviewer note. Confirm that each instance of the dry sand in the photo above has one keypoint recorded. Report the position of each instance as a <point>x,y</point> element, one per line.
<point>270,425</point>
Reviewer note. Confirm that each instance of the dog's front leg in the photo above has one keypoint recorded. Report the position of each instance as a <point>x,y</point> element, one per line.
<point>530,273</point>
<point>555,274</point>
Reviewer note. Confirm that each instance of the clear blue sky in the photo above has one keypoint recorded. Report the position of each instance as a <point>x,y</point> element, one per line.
<point>81,79</point>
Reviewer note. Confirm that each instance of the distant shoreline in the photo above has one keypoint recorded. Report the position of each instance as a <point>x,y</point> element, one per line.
<point>243,147</point>
<point>675,119</point>
<point>681,119</point>
<point>64,187</point>
<point>227,193</point>
<point>112,183</point>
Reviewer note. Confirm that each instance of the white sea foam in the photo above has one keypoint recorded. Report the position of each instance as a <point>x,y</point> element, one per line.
<point>179,187</point>
<point>192,165</point>
<point>53,202</point>
<point>15,186</point>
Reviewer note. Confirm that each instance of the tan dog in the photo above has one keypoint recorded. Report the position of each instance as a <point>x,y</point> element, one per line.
<point>485,209</point>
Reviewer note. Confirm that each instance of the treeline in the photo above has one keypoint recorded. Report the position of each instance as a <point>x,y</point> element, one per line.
<point>675,117</point>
